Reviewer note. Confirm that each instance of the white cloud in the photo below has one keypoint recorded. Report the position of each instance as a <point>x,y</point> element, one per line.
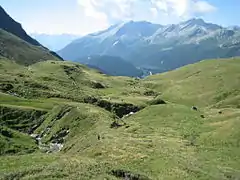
<point>154,12</point>
<point>183,8</point>
<point>110,9</point>
<point>87,16</point>
<point>204,7</point>
<point>171,10</point>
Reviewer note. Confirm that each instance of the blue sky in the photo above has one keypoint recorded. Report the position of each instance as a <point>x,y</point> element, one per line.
<point>86,16</point>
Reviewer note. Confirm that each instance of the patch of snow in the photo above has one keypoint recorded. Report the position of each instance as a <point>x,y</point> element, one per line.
<point>131,113</point>
<point>114,44</point>
<point>38,139</point>
<point>34,135</point>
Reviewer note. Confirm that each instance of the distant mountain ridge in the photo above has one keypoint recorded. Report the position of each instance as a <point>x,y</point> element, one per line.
<point>111,65</point>
<point>156,47</point>
<point>11,26</point>
<point>55,42</point>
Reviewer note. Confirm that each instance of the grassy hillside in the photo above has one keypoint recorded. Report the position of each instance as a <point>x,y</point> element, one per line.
<point>85,111</point>
<point>210,82</point>
<point>21,51</point>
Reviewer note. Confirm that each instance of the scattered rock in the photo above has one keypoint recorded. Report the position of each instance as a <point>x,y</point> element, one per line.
<point>150,93</point>
<point>60,136</point>
<point>127,175</point>
<point>115,125</point>
<point>6,87</point>
<point>202,116</point>
<point>97,85</point>
<point>194,108</point>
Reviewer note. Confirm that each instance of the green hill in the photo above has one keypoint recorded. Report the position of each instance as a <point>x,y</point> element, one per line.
<point>78,117</point>
<point>21,51</point>
<point>11,26</point>
<point>208,83</point>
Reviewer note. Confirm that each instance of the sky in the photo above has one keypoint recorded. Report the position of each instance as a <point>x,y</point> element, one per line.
<point>86,16</point>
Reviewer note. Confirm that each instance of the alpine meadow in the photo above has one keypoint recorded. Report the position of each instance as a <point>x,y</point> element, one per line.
<point>135,101</point>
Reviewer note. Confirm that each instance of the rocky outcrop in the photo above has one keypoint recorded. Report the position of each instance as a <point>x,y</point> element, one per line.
<point>97,85</point>
<point>120,109</point>
<point>60,136</point>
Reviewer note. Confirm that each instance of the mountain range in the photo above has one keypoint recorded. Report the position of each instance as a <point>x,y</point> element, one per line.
<point>156,47</point>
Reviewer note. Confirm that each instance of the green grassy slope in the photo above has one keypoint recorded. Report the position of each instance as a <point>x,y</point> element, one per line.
<point>21,51</point>
<point>161,141</point>
<point>206,83</point>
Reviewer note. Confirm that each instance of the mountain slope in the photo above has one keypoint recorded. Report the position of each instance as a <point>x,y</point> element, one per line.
<point>20,51</point>
<point>159,141</point>
<point>13,27</point>
<point>110,65</point>
<point>159,48</point>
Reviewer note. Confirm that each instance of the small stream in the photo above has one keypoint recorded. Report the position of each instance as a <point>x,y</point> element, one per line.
<point>48,148</point>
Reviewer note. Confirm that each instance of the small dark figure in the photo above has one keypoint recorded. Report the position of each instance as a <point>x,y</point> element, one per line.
<point>99,137</point>
<point>202,116</point>
<point>220,112</point>
<point>194,108</point>
<point>114,124</point>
